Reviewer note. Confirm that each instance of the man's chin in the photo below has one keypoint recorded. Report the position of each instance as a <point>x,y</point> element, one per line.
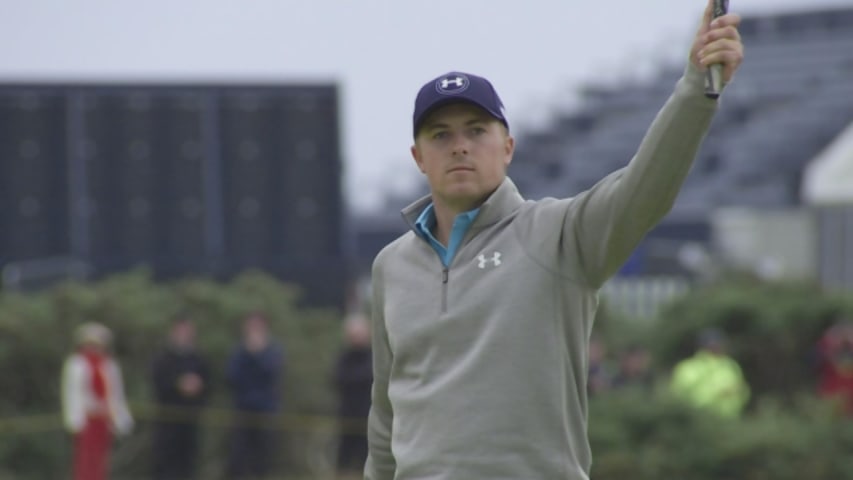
<point>462,193</point>
<point>465,197</point>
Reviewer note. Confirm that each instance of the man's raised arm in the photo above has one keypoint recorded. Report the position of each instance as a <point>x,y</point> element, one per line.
<point>607,222</point>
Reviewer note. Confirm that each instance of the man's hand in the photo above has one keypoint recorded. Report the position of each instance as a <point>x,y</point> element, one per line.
<point>190,384</point>
<point>718,41</point>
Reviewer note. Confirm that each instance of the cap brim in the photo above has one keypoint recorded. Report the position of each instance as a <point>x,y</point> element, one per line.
<point>455,100</point>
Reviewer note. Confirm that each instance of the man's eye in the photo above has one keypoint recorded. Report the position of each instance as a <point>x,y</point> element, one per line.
<point>439,135</point>
<point>478,130</point>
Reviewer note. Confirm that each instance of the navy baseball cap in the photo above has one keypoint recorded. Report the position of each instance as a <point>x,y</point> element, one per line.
<point>457,87</point>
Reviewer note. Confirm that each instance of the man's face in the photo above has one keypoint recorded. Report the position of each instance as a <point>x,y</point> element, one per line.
<point>358,333</point>
<point>183,334</point>
<point>255,325</point>
<point>95,347</point>
<point>255,333</point>
<point>464,152</point>
<point>637,362</point>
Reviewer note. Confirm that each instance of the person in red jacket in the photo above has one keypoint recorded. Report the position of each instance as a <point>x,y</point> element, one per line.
<point>835,353</point>
<point>93,402</point>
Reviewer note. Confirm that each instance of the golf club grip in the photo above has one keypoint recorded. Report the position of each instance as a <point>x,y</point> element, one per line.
<point>714,81</point>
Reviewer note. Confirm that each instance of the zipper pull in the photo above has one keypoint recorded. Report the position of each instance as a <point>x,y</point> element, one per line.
<point>444,275</point>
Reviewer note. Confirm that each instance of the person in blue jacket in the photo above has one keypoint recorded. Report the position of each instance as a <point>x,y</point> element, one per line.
<point>254,376</point>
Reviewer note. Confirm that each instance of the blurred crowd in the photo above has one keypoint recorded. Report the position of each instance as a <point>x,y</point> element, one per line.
<point>95,409</point>
<point>711,378</point>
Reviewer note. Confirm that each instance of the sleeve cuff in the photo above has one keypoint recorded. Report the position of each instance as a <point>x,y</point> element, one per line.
<point>692,83</point>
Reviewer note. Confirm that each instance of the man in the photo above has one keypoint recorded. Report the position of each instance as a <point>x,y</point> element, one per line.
<point>482,312</point>
<point>94,407</point>
<point>254,375</point>
<point>710,380</point>
<point>634,369</point>
<point>180,377</point>
<point>353,381</point>
<point>599,375</point>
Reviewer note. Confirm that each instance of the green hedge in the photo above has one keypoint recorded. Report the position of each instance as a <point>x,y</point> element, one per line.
<point>786,433</point>
<point>773,329</point>
<point>635,437</point>
<point>36,335</point>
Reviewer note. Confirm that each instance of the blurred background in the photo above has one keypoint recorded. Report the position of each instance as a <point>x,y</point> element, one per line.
<point>219,161</point>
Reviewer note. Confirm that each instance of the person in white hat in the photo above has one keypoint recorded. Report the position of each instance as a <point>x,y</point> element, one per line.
<point>94,408</point>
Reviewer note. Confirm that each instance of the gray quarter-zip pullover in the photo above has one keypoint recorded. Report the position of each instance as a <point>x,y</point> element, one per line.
<point>480,369</point>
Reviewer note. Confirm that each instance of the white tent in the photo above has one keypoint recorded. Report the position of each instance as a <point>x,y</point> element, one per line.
<point>828,179</point>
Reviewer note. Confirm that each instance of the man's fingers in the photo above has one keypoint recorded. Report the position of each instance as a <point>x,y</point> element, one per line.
<point>728,32</point>
<point>707,17</point>
<point>727,20</point>
<point>728,57</point>
<point>718,42</point>
<point>709,14</point>
<point>721,45</point>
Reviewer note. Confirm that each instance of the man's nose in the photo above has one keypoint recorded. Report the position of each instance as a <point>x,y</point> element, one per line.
<point>460,145</point>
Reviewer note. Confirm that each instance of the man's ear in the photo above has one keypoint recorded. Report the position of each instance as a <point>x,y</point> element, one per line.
<point>416,155</point>
<point>509,148</point>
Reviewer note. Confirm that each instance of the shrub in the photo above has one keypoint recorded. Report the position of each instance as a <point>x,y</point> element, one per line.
<point>36,335</point>
<point>634,435</point>
<point>772,330</point>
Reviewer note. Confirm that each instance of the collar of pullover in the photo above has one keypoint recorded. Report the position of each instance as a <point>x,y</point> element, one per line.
<point>502,202</point>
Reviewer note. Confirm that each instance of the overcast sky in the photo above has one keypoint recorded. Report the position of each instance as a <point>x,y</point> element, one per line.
<point>379,52</point>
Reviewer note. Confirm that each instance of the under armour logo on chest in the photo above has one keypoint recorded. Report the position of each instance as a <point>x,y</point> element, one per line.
<point>483,261</point>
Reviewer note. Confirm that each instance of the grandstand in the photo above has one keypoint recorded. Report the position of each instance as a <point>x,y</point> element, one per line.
<point>182,178</point>
<point>791,97</point>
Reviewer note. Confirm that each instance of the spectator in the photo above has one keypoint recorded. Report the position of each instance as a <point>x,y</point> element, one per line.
<point>835,353</point>
<point>353,380</point>
<point>254,376</point>
<point>93,402</point>
<point>710,379</point>
<point>634,369</point>
<point>600,376</point>
<point>181,380</point>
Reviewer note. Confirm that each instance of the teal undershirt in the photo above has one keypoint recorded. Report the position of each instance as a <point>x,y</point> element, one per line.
<point>425,224</point>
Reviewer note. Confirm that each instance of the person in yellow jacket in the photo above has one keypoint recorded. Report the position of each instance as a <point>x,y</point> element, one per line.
<point>710,379</point>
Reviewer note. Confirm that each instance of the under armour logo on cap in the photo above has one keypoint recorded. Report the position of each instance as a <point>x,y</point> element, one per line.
<point>452,84</point>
